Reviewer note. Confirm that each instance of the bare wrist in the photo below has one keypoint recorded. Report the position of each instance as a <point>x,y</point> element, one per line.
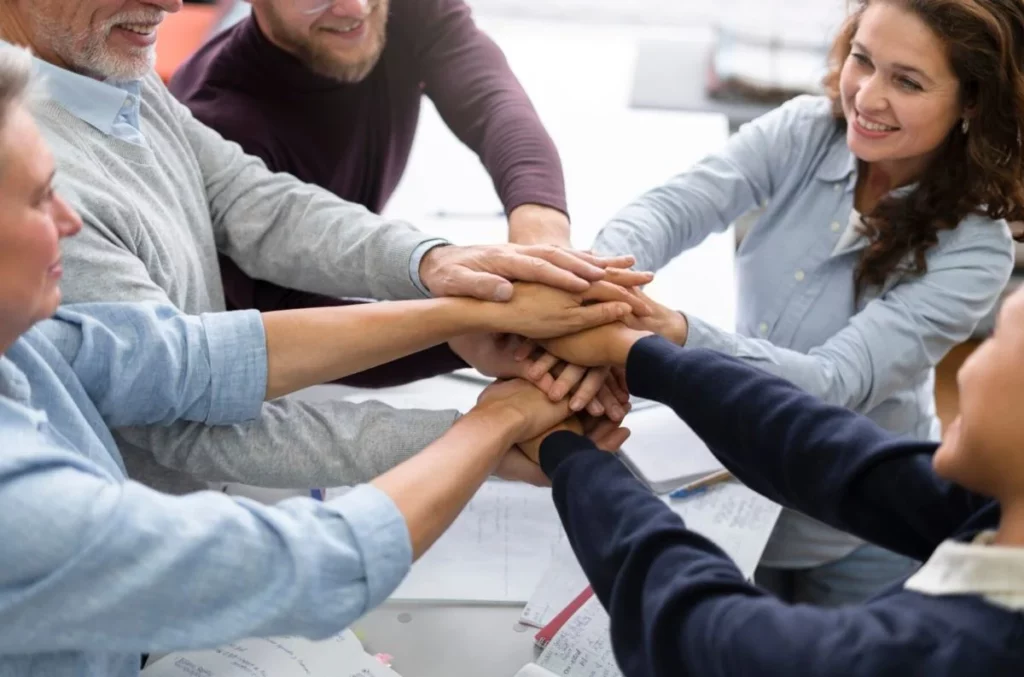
<point>506,422</point>
<point>677,329</point>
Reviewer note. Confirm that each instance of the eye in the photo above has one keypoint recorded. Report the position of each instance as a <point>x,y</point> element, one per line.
<point>860,59</point>
<point>46,197</point>
<point>908,84</point>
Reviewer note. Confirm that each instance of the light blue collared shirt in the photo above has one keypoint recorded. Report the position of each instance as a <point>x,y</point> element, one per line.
<point>111,107</point>
<point>95,569</point>
<point>797,317</point>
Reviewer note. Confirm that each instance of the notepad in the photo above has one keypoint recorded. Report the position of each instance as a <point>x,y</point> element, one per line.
<point>496,550</point>
<point>340,656</point>
<point>663,451</point>
<point>581,648</point>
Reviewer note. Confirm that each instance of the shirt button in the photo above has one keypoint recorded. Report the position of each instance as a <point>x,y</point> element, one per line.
<point>799,275</point>
<point>837,187</point>
<point>763,329</point>
<point>836,227</point>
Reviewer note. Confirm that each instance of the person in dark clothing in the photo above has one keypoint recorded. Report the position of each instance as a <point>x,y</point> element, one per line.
<point>330,91</point>
<point>679,606</point>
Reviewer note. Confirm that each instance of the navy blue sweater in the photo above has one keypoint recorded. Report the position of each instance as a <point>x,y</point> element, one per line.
<point>678,604</point>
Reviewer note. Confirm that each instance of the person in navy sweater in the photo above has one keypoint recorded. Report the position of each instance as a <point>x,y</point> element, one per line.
<point>679,606</point>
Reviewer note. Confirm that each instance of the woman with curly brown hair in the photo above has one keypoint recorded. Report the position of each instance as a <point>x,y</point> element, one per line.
<point>882,241</point>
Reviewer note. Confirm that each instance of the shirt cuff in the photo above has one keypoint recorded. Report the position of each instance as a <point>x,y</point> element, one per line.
<point>381,536</point>
<point>237,346</point>
<point>700,334</point>
<point>417,258</point>
<point>559,446</point>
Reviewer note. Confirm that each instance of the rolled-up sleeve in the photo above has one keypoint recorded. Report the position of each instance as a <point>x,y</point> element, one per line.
<point>117,567</point>
<point>149,363</point>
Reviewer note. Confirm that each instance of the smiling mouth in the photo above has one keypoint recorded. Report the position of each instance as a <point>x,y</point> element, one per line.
<point>874,126</point>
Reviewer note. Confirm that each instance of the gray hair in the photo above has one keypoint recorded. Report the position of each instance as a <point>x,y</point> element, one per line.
<point>18,82</point>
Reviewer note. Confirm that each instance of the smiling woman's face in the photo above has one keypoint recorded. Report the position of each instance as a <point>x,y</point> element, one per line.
<point>33,220</point>
<point>899,94</point>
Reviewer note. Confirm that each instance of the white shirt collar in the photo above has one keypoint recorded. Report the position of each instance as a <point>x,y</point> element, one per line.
<point>993,572</point>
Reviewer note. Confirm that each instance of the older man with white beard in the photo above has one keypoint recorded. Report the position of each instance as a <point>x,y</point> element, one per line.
<point>161,195</point>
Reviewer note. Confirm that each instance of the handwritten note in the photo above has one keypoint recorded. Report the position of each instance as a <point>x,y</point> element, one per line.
<point>562,581</point>
<point>738,520</point>
<point>496,550</point>
<point>338,656</point>
<point>583,647</point>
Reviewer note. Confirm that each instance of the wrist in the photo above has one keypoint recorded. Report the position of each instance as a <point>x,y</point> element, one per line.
<point>508,423</point>
<point>623,344</point>
<point>530,224</point>
<point>676,328</point>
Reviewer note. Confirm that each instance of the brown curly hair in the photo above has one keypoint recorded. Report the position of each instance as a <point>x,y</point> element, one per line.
<point>978,172</point>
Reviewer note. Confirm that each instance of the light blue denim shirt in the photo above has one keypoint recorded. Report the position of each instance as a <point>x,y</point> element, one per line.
<point>797,317</point>
<point>95,569</point>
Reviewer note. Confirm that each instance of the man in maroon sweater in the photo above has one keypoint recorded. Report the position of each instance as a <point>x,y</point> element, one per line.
<point>330,92</point>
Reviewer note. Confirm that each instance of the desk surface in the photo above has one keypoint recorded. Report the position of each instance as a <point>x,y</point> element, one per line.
<point>579,79</point>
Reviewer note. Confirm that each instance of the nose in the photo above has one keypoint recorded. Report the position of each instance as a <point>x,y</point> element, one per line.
<point>871,94</point>
<point>169,6</point>
<point>349,8</point>
<point>66,219</point>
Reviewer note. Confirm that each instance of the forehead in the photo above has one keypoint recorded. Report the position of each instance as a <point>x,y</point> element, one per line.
<point>896,35</point>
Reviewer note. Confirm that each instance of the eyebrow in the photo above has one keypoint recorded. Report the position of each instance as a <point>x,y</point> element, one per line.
<point>897,66</point>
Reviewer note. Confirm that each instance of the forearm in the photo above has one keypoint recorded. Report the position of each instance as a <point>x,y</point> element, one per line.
<point>77,568</point>
<point>431,488</point>
<point>311,346</point>
<point>825,461</point>
<point>538,224</point>
<point>296,443</point>
<point>299,236</point>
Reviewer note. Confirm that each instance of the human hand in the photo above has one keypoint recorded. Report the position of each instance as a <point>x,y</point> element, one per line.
<point>604,346</point>
<point>539,311</point>
<point>514,466</point>
<point>485,272</point>
<point>533,410</point>
<point>606,435</point>
<point>593,389</point>
<point>662,320</point>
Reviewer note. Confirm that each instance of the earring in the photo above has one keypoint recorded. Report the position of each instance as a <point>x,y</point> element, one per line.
<point>965,125</point>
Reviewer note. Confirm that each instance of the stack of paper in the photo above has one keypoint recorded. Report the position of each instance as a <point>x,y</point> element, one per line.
<point>339,656</point>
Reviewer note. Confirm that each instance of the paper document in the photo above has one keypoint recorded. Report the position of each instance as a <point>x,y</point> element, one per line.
<point>583,647</point>
<point>663,451</point>
<point>339,656</point>
<point>561,582</point>
<point>737,519</point>
<point>496,551</point>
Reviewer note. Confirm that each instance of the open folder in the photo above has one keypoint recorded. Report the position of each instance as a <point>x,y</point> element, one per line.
<point>663,451</point>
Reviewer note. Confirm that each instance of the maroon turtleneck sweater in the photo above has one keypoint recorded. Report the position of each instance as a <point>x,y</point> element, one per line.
<point>354,139</point>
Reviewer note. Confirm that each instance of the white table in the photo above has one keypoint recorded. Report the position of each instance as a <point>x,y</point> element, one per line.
<point>579,80</point>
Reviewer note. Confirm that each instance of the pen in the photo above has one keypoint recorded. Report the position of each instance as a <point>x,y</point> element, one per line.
<point>701,485</point>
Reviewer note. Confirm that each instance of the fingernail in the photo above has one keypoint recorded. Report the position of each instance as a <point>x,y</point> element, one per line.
<point>503,293</point>
<point>617,413</point>
<point>557,393</point>
<point>576,405</point>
